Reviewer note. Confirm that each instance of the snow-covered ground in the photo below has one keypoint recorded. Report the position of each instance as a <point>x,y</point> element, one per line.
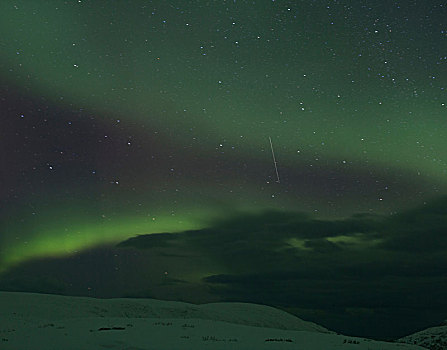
<point>49,322</point>
<point>434,338</point>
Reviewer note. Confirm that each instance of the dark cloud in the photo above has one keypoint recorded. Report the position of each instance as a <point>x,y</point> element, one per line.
<point>421,230</point>
<point>158,240</point>
<point>293,224</point>
<point>365,262</point>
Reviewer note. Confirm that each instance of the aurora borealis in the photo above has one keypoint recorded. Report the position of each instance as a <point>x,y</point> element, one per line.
<point>127,118</point>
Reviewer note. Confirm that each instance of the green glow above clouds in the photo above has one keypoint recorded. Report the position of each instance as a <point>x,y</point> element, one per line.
<point>68,235</point>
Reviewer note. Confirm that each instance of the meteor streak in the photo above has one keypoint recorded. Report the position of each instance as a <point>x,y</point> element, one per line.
<point>274,159</point>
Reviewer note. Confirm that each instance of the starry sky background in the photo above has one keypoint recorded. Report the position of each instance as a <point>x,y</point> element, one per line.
<point>135,155</point>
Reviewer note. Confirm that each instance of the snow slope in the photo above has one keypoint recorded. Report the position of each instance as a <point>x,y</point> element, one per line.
<point>37,321</point>
<point>46,306</point>
<point>434,338</point>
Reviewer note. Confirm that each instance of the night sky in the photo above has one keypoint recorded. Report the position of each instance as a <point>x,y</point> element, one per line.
<point>135,155</point>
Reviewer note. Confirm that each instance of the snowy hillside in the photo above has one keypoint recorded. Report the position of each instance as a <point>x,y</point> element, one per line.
<point>434,338</point>
<point>46,306</point>
<point>36,321</point>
